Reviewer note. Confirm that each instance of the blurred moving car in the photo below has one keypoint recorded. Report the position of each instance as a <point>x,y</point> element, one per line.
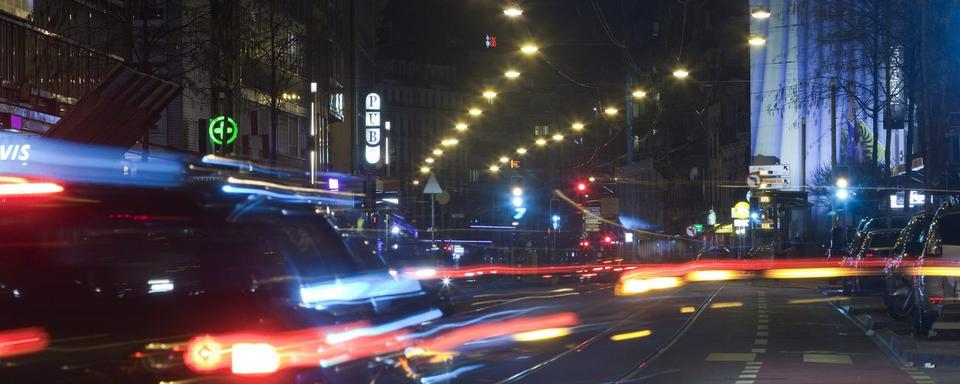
<point>121,278</point>
<point>936,297</point>
<point>898,284</point>
<point>876,245</point>
<point>715,253</point>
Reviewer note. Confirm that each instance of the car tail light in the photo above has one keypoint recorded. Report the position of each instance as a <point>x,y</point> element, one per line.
<point>23,341</point>
<point>254,358</point>
<point>205,354</point>
<point>29,189</point>
<point>869,254</point>
<point>935,300</point>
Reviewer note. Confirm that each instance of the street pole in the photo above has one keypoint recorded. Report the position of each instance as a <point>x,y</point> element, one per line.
<point>833,125</point>
<point>433,217</point>
<point>803,153</point>
<point>629,117</point>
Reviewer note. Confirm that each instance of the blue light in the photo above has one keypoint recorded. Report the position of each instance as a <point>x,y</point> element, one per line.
<point>555,218</point>
<point>520,212</point>
<point>843,194</point>
<point>754,215</point>
<point>517,202</point>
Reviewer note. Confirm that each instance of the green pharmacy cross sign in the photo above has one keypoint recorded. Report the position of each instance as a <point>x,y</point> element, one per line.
<point>222,130</point>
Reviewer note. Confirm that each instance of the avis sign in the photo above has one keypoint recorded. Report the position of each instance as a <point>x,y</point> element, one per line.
<point>373,133</point>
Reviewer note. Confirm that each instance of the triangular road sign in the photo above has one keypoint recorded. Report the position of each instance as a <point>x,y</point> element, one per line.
<point>433,187</point>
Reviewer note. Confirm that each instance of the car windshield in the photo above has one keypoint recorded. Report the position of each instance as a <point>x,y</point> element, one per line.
<point>479,191</point>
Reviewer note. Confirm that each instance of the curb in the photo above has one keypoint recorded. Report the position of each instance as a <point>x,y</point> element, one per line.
<point>907,349</point>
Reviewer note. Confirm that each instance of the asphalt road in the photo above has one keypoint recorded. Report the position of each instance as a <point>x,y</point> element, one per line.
<point>739,332</point>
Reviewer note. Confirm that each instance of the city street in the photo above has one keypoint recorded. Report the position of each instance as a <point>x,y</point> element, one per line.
<point>757,332</point>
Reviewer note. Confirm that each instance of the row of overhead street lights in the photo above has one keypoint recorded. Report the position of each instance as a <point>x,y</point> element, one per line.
<point>449,142</point>
<point>530,49</point>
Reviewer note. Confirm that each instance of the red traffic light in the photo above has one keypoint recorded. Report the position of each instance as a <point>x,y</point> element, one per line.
<point>607,239</point>
<point>585,244</point>
<point>581,186</point>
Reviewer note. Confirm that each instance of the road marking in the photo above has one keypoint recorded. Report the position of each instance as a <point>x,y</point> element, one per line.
<point>687,309</point>
<point>763,333</point>
<point>749,372</point>
<point>731,356</point>
<point>762,315</point>
<point>758,350</point>
<point>826,358</point>
<point>761,342</point>
<point>762,326</point>
<point>763,321</point>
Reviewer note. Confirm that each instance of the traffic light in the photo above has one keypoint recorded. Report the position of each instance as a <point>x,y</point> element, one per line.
<point>585,244</point>
<point>581,187</point>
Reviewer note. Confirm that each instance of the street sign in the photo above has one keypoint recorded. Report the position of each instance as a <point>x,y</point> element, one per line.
<point>770,170</point>
<point>775,183</point>
<point>443,198</point>
<point>691,231</point>
<point>433,186</point>
<point>740,223</point>
<point>726,228</point>
<point>591,219</point>
<point>753,180</point>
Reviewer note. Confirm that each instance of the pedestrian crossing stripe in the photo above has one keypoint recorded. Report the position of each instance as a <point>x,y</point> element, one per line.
<point>826,358</point>
<point>715,356</point>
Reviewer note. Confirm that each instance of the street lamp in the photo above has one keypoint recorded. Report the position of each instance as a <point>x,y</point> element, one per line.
<point>557,137</point>
<point>461,127</point>
<point>578,126</point>
<point>612,111</point>
<point>521,151</point>
<point>639,94</point>
<point>504,159</point>
<point>541,141</point>
<point>437,152</point>
<point>489,95</point>
<point>681,73</point>
<point>512,11</point>
<point>529,49</point>
<point>494,168</point>
<point>757,41</point>
<point>591,179</point>
<point>416,182</point>
<point>429,160</point>
<point>424,169</point>
<point>511,74</point>
<point>760,13</point>
<point>475,112</point>
<point>449,142</point>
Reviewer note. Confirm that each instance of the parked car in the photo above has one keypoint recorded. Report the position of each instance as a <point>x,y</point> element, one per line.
<point>715,253</point>
<point>898,284</point>
<point>876,244</point>
<point>935,297</point>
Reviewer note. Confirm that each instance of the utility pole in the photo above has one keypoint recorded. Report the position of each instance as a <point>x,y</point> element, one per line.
<point>629,116</point>
<point>833,125</point>
<point>803,153</point>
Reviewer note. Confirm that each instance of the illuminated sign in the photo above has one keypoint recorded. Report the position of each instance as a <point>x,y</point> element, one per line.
<point>14,152</point>
<point>222,130</point>
<point>741,210</point>
<point>372,133</point>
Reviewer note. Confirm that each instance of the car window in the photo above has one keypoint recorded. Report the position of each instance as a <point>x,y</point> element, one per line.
<point>883,239</point>
<point>949,228</point>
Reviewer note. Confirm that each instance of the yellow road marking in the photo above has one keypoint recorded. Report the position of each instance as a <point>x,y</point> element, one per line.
<point>731,356</point>
<point>826,358</point>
